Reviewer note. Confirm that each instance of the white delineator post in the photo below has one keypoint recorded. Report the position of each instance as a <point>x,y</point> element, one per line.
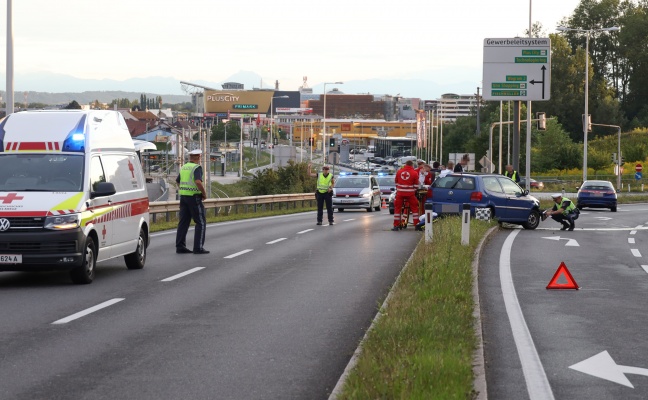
<point>428,222</point>
<point>465,224</point>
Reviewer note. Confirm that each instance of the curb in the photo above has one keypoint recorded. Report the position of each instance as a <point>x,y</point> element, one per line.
<point>479,363</point>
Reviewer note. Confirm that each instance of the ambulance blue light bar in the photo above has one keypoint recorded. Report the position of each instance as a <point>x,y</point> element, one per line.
<point>75,140</point>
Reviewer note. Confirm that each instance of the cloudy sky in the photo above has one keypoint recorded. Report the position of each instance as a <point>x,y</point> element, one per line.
<point>284,40</point>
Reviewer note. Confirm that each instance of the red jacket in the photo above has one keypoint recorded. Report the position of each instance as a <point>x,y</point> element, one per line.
<point>407,181</point>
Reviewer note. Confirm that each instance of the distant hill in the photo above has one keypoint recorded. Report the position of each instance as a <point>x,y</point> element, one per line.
<point>50,88</point>
<point>90,96</point>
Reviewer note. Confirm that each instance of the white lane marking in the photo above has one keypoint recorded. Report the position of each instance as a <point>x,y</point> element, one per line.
<point>276,241</point>
<point>635,252</point>
<point>645,268</point>
<point>633,232</point>
<point>347,220</point>
<point>88,311</point>
<point>534,374</point>
<point>307,230</point>
<point>631,240</point>
<point>180,275</point>
<point>239,253</point>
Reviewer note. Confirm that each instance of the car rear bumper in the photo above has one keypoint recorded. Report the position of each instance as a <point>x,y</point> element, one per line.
<point>596,203</point>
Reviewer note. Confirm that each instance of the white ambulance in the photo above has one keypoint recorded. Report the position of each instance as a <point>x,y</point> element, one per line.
<point>72,192</point>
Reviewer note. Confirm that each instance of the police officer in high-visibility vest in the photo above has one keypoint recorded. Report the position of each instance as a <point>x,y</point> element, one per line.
<point>192,193</point>
<point>563,211</point>
<point>511,173</point>
<point>324,194</point>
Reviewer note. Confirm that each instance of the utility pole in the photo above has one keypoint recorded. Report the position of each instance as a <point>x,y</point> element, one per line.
<point>478,131</point>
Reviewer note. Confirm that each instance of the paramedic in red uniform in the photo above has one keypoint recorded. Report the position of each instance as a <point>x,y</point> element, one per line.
<point>407,181</point>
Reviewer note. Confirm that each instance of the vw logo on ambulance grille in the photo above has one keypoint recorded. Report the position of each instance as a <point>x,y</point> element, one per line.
<point>4,224</point>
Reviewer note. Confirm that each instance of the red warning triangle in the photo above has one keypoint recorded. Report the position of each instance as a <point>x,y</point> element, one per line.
<point>562,272</point>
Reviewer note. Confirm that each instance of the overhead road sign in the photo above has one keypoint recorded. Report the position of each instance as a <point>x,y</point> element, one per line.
<point>517,69</point>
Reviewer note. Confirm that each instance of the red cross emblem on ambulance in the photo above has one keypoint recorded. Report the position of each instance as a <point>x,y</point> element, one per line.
<point>10,197</point>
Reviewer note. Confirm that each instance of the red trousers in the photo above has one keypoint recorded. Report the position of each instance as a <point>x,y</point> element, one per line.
<point>413,206</point>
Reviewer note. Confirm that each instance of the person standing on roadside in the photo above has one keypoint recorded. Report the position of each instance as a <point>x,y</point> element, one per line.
<point>324,194</point>
<point>407,182</point>
<point>511,173</point>
<point>192,193</point>
<point>448,170</point>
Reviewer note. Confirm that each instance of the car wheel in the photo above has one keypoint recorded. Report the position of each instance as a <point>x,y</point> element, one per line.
<point>377,208</point>
<point>85,273</point>
<point>533,220</point>
<point>613,209</point>
<point>579,207</point>
<point>137,259</point>
<point>340,209</point>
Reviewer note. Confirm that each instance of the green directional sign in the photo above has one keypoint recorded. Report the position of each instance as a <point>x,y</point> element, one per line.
<point>508,93</point>
<point>531,60</point>
<point>507,85</point>
<point>516,78</point>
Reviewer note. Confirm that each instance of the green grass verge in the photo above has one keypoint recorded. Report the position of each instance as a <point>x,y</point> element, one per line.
<point>422,345</point>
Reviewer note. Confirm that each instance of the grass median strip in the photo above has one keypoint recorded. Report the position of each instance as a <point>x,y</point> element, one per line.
<point>422,345</point>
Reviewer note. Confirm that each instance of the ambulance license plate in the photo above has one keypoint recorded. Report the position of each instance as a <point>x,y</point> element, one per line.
<point>348,201</point>
<point>10,258</point>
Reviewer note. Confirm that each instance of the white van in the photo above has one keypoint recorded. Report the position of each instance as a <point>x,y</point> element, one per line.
<point>72,192</point>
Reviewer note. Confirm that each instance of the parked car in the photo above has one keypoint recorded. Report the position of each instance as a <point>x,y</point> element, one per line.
<point>356,190</point>
<point>504,198</point>
<point>533,184</point>
<point>386,183</point>
<point>597,194</point>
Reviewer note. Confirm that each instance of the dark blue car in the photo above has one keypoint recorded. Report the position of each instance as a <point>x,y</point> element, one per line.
<point>600,194</point>
<point>505,199</point>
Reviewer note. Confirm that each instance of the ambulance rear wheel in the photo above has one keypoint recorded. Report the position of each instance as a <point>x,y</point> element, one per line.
<point>137,259</point>
<point>85,273</point>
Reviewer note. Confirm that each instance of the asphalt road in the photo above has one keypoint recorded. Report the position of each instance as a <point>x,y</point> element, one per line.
<point>275,311</point>
<point>539,342</point>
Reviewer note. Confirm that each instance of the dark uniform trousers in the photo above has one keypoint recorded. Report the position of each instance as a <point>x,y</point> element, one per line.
<point>321,199</point>
<point>191,207</point>
<point>566,219</point>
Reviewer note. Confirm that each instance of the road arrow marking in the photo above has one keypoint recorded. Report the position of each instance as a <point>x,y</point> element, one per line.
<point>570,242</point>
<point>603,366</point>
<point>604,218</point>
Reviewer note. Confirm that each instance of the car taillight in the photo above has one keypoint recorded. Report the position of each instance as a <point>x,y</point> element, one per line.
<point>476,196</point>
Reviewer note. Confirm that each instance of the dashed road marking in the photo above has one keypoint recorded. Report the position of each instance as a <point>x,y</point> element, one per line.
<point>635,252</point>
<point>307,230</point>
<point>180,275</point>
<point>631,240</point>
<point>276,241</point>
<point>87,311</point>
<point>238,254</point>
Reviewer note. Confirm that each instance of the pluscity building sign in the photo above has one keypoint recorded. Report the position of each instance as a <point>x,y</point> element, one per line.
<point>517,69</point>
<point>251,101</point>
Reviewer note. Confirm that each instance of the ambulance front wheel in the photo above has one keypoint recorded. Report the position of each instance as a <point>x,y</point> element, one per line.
<point>85,273</point>
<point>137,259</point>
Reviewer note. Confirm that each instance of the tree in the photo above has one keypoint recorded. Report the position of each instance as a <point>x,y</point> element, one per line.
<point>233,132</point>
<point>555,150</point>
<point>72,106</point>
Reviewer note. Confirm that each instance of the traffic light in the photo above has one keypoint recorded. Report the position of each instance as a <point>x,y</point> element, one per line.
<point>331,142</point>
<point>275,141</point>
<point>614,159</point>
<point>622,161</point>
<point>542,121</point>
<point>255,141</point>
<point>310,141</point>
<point>589,122</point>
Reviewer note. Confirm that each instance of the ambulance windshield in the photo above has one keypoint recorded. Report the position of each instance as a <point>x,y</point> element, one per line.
<point>41,172</point>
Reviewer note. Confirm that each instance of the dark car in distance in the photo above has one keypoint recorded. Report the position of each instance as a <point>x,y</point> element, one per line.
<point>505,199</point>
<point>597,194</point>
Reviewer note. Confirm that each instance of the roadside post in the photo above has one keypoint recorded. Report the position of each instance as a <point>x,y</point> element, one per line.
<point>465,224</point>
<point>428,222</point>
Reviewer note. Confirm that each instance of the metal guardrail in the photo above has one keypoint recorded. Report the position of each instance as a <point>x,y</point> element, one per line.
<point>255,202</point>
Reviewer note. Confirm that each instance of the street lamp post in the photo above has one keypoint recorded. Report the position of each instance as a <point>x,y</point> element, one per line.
<point>586,115</point>
<point>272,125</point>
<point>324,144</point>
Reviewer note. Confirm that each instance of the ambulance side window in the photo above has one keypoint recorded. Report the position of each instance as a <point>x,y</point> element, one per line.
<point>96,173</point>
